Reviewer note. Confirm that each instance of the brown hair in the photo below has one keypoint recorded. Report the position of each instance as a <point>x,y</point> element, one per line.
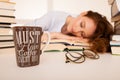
<point>101,38</point>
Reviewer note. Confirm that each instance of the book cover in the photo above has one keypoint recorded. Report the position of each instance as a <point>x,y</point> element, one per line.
<point>117,30</point>
<point>6,40</point>
<point>5,31</point>
<point>5,23</point>
<point>60,45</point>
<point>114,43</point>
<point>7,5</point>
<point>7,47</point>
<point>117,27</point>
<point>115,8</point>
<point>115,37</point>
<point>6,37</point>
<point>7,12</point>
<point>115,18</point>
<point>115,46</point>
<point>5,26</point>
<point>115,11</point>
<point>7,19</point>
<point>116,23</point>
<point>115,50</point>
<point>5,0</point>
<point>6,44</point>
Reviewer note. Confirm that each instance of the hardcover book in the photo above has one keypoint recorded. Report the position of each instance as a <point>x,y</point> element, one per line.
<point>7,12</point>
<point>6,44</point>
<point>115,47</point>
<point>7,19</point>
<point>115,50</point>
<point>116,23</point>
<point>7,5</point>
<point>115,18</point>
<point>5,0</point>
<point>5,31</point>
<point>115,43</point>
<point>58,45</point>
<point>6,37</point>
<point>5,25</point>
<point>115,37</point>
<point>115,11</point>
<point>117,27</point>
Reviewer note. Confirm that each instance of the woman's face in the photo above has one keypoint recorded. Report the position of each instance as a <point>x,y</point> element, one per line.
<point>82,26</point>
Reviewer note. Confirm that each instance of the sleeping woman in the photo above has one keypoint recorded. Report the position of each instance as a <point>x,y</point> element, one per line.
<point>88,26</point>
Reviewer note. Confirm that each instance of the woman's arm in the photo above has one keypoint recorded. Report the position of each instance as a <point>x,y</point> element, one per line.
<point>59,35</point>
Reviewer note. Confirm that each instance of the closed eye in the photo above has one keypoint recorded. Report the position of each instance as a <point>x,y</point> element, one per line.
<point>82,24</point>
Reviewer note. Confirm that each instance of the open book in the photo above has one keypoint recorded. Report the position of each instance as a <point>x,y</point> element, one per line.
<point>58,45</point>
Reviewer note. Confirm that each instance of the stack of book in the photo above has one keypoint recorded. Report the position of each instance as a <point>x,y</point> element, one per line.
<point>115,44</point>
<point>7,17</point>
<point>115,14</point>
<point>115,18</point>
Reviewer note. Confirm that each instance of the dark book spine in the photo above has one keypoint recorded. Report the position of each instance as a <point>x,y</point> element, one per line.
<point>117,29</point>
<point>116,23</point>
<point>5,27</point>
<point>7,16</point>
<point>5,23</point>
<point>7,47</point>
<point>6,40</point>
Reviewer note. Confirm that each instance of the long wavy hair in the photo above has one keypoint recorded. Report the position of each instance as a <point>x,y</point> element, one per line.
<point>102,36</point>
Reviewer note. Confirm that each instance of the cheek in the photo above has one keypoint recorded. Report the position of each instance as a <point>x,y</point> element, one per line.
<point>75,23</point>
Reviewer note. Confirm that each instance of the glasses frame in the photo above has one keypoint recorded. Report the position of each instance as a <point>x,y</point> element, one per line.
<point>85,53</point>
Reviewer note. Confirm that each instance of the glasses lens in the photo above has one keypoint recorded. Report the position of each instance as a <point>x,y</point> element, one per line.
<point>74,57</point>
<point>90,54</point>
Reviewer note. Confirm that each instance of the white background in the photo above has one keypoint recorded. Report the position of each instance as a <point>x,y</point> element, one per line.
<point>31,9</point>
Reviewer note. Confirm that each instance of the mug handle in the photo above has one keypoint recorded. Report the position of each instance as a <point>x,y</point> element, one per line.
<point>47,42</point>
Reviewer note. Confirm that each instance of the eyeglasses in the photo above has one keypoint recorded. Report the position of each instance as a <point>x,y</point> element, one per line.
<point>78,57</point>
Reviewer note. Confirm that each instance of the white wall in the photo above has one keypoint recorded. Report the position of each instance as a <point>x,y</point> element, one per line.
<point>30,9</point>
<point>76,6</point>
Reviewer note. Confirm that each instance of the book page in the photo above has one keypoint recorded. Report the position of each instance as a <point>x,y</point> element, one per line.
<point>68,42</point>
<point>54,47</point>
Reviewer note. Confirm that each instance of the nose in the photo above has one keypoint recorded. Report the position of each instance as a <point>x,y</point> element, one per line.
<point>78,29</point>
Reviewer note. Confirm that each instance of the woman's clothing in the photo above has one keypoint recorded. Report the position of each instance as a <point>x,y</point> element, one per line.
<point>52,21</point>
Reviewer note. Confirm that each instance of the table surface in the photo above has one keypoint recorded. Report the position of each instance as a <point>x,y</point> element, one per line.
<point>53,67</point>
